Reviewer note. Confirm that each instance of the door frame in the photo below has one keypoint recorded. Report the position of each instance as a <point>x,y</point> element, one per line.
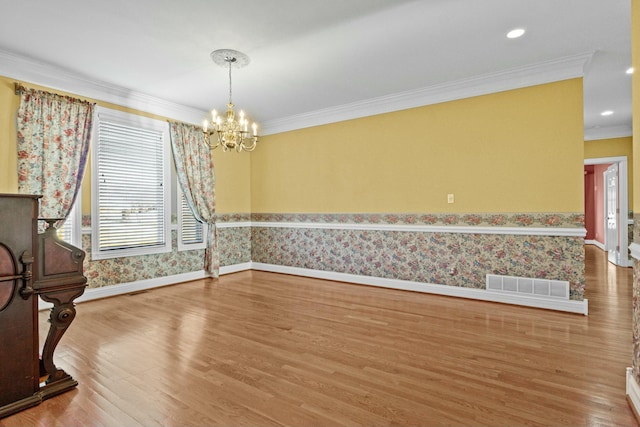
<point>612,207</point>
<point>623,201</point>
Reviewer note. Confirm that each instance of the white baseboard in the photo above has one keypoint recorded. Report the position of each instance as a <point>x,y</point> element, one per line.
<point>142,285</point>
<point>235,268</point>
<point>571,306</point>
<point>595,243</point>
<point>633,392</point>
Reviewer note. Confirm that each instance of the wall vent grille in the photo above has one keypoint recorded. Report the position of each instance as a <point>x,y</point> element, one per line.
<point>528,286</point>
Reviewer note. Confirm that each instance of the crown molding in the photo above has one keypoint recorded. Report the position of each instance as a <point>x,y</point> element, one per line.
<point>29,70</point>
<point>41,73</point>
<point>540,73</point>
<point>593,134</point>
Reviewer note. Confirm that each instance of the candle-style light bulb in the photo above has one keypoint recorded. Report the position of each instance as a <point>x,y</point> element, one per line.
<point>255,129</point>
<point>205,125</point>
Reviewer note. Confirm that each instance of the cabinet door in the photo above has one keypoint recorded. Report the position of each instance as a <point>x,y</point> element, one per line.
<point>19,373</point>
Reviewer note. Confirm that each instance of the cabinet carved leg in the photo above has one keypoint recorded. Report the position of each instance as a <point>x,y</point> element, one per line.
<point>60,317</point>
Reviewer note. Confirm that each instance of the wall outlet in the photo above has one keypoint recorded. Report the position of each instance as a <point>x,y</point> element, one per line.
<point>450,198</point>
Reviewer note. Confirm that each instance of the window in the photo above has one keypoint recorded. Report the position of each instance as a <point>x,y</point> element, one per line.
<point>131,181</point>
<point>71,229</point>
<point>191,232</point>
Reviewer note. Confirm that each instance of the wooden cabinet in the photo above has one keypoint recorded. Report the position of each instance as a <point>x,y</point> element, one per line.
<point>33,265</point>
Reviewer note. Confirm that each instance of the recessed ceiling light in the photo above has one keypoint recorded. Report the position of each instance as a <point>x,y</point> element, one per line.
<point>514,34</point>
<point>606,113</point>
<point>630,70</point>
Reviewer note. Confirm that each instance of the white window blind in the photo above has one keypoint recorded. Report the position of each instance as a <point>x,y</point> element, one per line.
<point>65,232</point>
<point>70,231</point>
<point>191,232</point>
<point>130,188</point>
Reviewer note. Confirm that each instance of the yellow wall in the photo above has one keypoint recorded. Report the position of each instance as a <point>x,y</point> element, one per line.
<point>8,151</point>
<point>635,54</point>
<point>233,188</point>
<point>514,151</point>
<point>613,147</point>
<point>232,170</point>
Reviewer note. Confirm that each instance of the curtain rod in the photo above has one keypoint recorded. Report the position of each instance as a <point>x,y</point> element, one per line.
<point>19,88</point>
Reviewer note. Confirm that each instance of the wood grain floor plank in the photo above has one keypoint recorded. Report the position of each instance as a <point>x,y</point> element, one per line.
<point>265,349</point>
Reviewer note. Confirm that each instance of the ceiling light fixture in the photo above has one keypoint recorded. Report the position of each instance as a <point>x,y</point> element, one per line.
<point>231,133</point>
<point>606,113</point>
<point>514,34</point>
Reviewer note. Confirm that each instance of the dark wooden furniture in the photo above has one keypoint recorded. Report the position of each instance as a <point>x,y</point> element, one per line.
<point>33,265</point>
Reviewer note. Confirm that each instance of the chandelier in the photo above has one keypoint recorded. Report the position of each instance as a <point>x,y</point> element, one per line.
<point>231,133</point>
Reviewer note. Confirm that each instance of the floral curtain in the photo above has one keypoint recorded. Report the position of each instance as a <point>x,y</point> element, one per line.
<point>194,165</point>
<point>53,142</point>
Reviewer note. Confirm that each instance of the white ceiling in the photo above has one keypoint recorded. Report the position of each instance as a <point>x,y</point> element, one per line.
<point>314,55</point>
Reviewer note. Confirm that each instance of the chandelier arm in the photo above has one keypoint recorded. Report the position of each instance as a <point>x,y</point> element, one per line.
<point>251,146</point>
<point>230,82</point>
<point>208,133</point>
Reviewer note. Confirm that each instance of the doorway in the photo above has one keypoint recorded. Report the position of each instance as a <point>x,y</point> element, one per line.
<point>609,183</point>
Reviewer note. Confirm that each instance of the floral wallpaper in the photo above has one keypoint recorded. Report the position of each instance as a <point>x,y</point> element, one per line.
<point>113,271</point>
<point>453,259</point>
<point>233,217</point>
<point>234,245</point>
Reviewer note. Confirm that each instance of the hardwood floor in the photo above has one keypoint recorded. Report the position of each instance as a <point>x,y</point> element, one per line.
<point>263,349</point>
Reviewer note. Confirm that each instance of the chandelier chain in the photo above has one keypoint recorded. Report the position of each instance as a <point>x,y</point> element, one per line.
<point>230,60</point>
